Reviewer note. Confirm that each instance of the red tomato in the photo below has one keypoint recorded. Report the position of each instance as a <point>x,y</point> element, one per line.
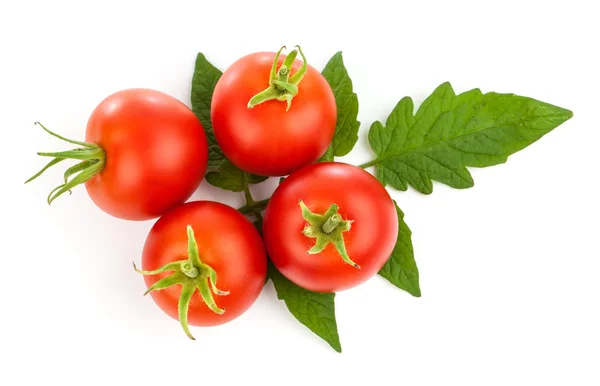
<point>364,206</point>
<point>226,242</point>
<point>150,154</point>
<point>266,139</point>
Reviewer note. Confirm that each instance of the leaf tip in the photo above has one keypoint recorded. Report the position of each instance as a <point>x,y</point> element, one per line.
<point>445,85</point>
<point>426,191</point>
<point>569,114</point>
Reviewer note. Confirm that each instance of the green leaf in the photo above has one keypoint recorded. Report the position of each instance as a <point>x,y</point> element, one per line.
<point>313,309</point>
<point>328,155</point>
<point>450,132</point>
<point>401,268</point>
<point>232,178</point>
<point>346,131</point>
<point>223,173</point>
<point>204,81</point>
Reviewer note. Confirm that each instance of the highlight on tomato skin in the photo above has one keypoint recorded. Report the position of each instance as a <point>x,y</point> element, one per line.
<point>273,113</point>
<point>145,152</point>
<point>204,264</point>
<point>330,226</point>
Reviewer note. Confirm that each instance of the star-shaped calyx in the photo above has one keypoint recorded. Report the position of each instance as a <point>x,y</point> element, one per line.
<point>327,228</point>
<point>282,85</point>
<point>192,275</point>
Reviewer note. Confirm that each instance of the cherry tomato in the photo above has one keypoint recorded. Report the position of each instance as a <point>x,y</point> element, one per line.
<point>330,226</point>
<point>267,139</point>
<point>227,245</point>
<point>145,153</point>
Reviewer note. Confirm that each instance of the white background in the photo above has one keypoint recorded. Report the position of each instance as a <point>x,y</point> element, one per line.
<point>510,269</point>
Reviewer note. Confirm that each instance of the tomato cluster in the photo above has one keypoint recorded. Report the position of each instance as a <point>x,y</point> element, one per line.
<point>328,227</point>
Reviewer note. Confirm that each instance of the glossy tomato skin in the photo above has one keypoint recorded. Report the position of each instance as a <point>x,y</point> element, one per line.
<point>266,139</point>
<point>360,198</point>
<point>227,241</point>
<point>156,153</point>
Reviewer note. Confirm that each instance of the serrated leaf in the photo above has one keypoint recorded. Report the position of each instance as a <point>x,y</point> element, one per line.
<point>346,131</point>
<point>232,178</point>
<point>401,268</point>
<point>450,132</point>
<point>313,309</point>
<point>204,81</point>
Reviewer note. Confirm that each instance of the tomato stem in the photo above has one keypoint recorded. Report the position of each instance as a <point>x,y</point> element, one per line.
<point>327,228</point>
<point>369,164</point>
<point>331,223</point>
<point>282,85</point>
<point>247,194</point>
<point>189,270</point>
<point>192,275</point>
<point>92,157</point>
<point>250,208</point>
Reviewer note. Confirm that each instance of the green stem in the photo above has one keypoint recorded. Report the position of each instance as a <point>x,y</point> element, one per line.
<point>189,270</point>
<point>255,210</point>
<point>247,194</point>
<point>257,213</point>
<point>331,223</point>
<point>187,291</point>
<point>250,208</point>
<point>369,164</point>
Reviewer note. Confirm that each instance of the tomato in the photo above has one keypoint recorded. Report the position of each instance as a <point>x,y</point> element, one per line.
<point>330,226</point>
<point>225,243</point>
<point>145,153</point>
<point>267,139</point>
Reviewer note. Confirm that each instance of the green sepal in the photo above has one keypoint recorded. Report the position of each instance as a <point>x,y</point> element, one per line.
<point>85,175</point>
<point>48,165</point>
<point>176,278</point>
<point>187,291</point>
<point>92,159</point>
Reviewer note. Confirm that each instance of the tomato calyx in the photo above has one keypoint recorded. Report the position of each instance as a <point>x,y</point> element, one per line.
<point>92,159</point>
<point>327,228</point>
<point>192,275</point>
<point>282,86</point>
